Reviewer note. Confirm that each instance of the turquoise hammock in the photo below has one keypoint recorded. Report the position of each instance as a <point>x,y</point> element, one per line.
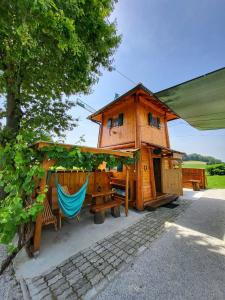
<point>71,204</point>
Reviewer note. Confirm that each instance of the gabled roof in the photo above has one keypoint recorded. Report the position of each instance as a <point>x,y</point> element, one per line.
<point>137,88</point>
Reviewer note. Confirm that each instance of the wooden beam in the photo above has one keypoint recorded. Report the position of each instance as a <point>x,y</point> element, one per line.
<point>127,191</point>
<point>167,133</point>
<point>152,175</point>
<point>40,145</point>
<point>153,107</point>
<point>120,146</point>
<point>139,190</point>
<point>100,132</point>
<point>46,164</point>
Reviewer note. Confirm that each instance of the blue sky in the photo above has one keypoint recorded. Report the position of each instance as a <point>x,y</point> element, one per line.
<point>164,42</point>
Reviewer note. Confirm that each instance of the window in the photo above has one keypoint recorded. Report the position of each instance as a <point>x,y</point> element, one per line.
<point>115,122</point>
<point>154,121</point>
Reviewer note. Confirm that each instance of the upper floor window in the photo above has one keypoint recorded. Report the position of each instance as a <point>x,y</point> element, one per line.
<point>115,122</point>
<point>154,121</point>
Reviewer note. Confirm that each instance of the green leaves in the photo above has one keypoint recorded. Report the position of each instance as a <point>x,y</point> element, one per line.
<point>74,158</point>
<point>50,49</point>
<point>20,171</point>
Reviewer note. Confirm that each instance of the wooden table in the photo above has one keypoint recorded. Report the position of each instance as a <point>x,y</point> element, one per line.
<point>195,184</point>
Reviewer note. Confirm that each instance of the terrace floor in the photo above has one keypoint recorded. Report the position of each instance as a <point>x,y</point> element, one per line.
<point>175,252</point>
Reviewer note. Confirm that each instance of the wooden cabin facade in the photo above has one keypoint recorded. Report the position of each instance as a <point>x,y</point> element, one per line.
<point>138,120</point>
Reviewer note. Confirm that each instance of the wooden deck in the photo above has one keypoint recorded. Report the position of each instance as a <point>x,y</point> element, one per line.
<point>161,200</point>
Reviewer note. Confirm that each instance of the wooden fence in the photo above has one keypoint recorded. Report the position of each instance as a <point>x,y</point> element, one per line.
<point>196,174</point>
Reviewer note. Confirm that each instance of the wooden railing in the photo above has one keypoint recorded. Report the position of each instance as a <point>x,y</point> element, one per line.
<point>194,174</point>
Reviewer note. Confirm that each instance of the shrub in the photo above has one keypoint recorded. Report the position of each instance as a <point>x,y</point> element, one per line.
<point>216,170</point>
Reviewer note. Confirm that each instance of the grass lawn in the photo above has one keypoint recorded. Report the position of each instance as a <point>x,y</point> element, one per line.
<point>194,165</point>
<point>214,182</point>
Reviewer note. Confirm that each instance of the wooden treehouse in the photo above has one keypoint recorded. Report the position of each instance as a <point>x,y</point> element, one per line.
<point>138,120</point>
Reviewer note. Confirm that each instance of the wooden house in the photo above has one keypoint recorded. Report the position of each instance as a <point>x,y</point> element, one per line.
<point>138,120</point>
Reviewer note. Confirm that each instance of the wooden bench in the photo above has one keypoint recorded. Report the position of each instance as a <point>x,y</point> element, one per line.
<point>99,208</point>
<point>195,184</point>
<point>102,207</point>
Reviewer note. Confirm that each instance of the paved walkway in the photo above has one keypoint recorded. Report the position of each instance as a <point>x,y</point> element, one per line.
<point>9,287</point>
<point>83,275</point>
<point>187,262</point>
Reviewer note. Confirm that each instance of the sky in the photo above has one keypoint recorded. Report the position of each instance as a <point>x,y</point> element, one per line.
<point>164,42</point>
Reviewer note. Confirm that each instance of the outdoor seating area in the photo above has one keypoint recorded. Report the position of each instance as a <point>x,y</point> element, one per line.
<point>73,237</point>
<point>70,191</point>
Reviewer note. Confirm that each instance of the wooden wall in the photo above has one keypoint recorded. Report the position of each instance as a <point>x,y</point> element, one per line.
<point>75,180</point>
<point>122,134</point>
<point>126,133</point>
<point>151,134</point>
<point>196,174</point>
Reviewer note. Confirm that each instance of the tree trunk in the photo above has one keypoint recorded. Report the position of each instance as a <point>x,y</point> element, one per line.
<point>13,104</point>
<point>14,114</point>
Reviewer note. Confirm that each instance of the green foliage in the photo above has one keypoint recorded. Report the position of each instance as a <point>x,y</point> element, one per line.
<point>74,158</point>
<point>50,49</point>
<point>21,171</point>
<point>216,170</point>
<point>198,157</point>
<point>19,167</point>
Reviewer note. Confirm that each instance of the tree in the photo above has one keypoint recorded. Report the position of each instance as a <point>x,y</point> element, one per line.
<point>198,157</point>
<point>48,49</point>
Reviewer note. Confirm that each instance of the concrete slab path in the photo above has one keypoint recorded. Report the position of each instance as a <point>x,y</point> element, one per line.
<point>186,262</point>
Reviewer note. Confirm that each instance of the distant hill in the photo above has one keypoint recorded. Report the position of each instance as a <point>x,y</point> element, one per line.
<point>198,157</point>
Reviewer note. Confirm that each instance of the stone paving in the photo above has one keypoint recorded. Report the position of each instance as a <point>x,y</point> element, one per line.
<point>83,275</point>
<point>9,287</point>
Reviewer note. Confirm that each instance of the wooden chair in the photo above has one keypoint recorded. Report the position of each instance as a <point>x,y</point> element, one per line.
<point>47,215</point>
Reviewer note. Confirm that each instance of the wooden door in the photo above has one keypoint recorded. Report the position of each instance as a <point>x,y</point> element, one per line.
<point>157,174</point>
<point>171,176</point>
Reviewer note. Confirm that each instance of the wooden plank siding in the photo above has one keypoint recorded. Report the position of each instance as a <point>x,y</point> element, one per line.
<point>127,133</point>
<point>98,181</point>
<point>151,134</point>
<point>171,178</point>
<point>120,134</point>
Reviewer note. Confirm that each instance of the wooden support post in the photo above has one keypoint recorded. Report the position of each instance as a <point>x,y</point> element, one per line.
<point>100,133</point>
<point>152,175</point>
<point>38,225</point>
<point>131,179</point>
<point>127,191</point>
<point>167,133</point>
<point>139,190</point>
<point>167,138</point>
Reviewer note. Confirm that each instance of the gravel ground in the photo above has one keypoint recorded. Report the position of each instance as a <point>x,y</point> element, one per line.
<point>9,287</point>
<point>187,262</point>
